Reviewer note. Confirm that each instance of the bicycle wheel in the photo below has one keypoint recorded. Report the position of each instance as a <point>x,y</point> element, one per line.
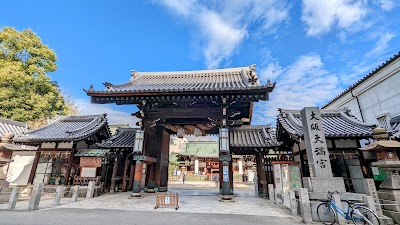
<point>363,215</point>
<point>326,214</point>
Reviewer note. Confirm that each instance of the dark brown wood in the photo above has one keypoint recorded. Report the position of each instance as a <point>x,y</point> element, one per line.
<point>263,176</point>
<point>34,167</point>
<point>114,174</point>
<point>131,174</point>
<point>125,172</point>
<point>70,161</point>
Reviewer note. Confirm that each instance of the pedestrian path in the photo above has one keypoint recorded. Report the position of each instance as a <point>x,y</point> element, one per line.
<point>193,198</point>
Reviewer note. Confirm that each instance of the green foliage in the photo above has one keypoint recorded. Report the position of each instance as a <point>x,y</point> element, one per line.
<point>173,165</point>
<point>26,91</point>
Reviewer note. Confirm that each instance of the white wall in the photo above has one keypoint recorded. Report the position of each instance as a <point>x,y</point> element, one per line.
<point>20,168</point>
<point>377,95</point>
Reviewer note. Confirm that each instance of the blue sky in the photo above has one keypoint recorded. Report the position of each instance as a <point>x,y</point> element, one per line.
<point>313,49</point>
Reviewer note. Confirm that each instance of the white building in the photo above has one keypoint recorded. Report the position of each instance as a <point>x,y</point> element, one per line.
<point>375,99</point>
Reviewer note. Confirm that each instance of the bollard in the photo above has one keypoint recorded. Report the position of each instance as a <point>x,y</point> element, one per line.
<point>293,203</point>
<point>276,197</point>
<point>90,190</point>
<point>338,202</point>
<point>271,192</point>
<point>13,198</point>
<point>75,193</point>
<point>286,200</point>
<point>58,195</point>
<point>369,200</point>
<point>35,198</point>
<point>305,207</point>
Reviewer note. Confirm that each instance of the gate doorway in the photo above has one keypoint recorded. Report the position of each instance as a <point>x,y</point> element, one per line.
<point>199,103</point>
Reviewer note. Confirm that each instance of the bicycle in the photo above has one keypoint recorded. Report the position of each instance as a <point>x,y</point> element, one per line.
<point>356,213</point>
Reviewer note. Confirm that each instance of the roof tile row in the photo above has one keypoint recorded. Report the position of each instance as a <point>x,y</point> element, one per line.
<point>336,123</point>
<point>123,138</point>
<point>253,136</point>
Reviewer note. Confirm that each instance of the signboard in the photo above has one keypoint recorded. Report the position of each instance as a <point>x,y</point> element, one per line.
<point>90,162</point>
<point>167,200</point>
<point>225,173</point>
<point>277,177</point>
<point>315,142</point>
<point>294,177</point>
<point>88,172</point>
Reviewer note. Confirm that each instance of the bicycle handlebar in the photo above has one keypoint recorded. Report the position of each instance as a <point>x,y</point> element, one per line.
<point>332,193</point>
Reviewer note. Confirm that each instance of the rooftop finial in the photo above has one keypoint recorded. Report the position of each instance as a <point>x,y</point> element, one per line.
<point>133,73</point>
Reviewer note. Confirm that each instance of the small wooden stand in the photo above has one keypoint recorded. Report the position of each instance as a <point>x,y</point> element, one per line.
<point>167,200</point>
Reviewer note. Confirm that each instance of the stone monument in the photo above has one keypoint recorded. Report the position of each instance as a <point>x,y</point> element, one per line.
<point>388,161</point>
<point>321,178</point>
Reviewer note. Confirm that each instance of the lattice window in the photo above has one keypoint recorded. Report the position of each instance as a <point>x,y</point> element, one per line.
<point>383,121</point>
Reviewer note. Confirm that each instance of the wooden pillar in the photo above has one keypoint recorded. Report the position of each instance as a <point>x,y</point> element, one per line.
<point>131,174</point>
<point>151,170</point>
<point>34,167</point>
<point>137,177</point>
<point>114,174</point>
<point>70,161</point>
<point>125,172</point>
<point>263,176</point>
<point>258,163</point>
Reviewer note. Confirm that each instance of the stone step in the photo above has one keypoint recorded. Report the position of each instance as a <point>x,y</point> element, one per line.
<point>392,195</point>
<point>386,220</point>
<point>392,214</point>
<point>391,207</point>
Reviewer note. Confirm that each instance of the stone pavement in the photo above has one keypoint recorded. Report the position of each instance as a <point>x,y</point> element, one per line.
<point>200,197</point>
<point>193,198</point>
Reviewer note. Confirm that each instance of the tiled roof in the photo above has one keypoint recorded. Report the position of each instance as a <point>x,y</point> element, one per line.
<point>66,128</point>
<point>336,123</point>
<point>372,73</point>
<point>123,138</point>
<point>13,127</point>
<point>241,78</point>
<point>92,152</point>
<point>395,126</point>
<point>253,136</point>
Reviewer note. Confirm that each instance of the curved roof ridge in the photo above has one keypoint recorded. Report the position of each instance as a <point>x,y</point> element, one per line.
<point>193,72</point>
<point>13,122</point>
<point>45,126</point>
<point>94,121</point>
<point>353,120</point>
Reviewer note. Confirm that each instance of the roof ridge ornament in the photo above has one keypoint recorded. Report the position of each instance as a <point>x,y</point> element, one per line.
<point>253,75</point>
<point>108,85</point>
<point>133,74</point>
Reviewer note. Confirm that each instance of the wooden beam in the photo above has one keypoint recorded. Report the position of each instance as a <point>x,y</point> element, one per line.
<point>125,172</point>
<point>34,167</point>
<point>114,174</point>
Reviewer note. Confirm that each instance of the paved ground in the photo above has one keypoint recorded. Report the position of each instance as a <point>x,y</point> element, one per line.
<point>198,204</point>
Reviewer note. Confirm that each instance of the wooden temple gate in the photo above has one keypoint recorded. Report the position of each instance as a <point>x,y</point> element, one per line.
<point>194,102</point>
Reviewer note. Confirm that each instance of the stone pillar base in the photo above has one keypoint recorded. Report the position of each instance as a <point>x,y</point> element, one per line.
<point>136,194</point>
<point>227,198</point>
<point>324,184</point>
<point>151,190</point>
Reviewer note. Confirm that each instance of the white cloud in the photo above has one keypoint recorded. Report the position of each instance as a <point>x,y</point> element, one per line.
<point>381,45</point>
<point>304,83</point>
<point>114,116</point>
<point>386,5</point>
<point>321,16</point>
<point>368,61</point>
<point>221,26</point>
